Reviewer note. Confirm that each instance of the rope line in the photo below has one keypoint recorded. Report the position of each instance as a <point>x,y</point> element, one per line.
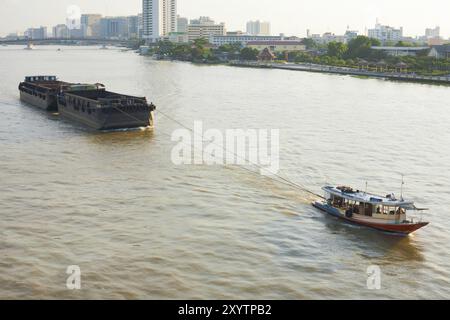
<point>283,180</point>
<point>280,179</point>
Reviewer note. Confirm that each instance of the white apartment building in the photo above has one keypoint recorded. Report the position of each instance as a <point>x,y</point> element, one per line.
<point>385,33</point>
<point>258,28</point>
<point>433,33</point>
<point>159,18</point>
<point>204,27</point>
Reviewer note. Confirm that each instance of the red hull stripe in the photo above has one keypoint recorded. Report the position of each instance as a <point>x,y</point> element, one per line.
<point>394,228</point>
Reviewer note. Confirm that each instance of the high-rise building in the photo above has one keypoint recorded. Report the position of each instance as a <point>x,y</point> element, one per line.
<point>140,25</point>
<point>133,26</point>
<point>182,24</point>
<point>258,28</point>
<point>90,24</point>
<point>60,31</point>
<point>205,27</point>
<point>114,27</point>
<point>433,33</point>
<point>160,18</point>
<point>36,33</point>
<point>386,33</point>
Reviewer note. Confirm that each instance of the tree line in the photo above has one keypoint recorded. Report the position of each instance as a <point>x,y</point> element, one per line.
<point>201,51</point>
<point>360,48</point>
<point>333,54</point>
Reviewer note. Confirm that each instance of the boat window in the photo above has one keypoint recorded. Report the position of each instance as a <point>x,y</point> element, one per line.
<point>338,201</point>
<point>388,210</point>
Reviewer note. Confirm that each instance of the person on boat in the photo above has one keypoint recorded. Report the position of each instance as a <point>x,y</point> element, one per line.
<point>349,213</point>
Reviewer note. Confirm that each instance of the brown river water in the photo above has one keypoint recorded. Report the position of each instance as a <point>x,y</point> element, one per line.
<point>140,227</point>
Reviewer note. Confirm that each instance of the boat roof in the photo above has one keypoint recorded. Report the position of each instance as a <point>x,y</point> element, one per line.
<point>361,196</point>
<point>40,78</point>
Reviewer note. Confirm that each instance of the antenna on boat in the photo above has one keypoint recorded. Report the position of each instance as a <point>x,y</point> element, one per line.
<point>366,187</point>
<point>401,188</point>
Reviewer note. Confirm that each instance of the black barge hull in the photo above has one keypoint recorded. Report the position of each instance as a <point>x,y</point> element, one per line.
<point>103,110</point>
<point>109,120</point>
<point>45,102</point>
<point>41,92</point>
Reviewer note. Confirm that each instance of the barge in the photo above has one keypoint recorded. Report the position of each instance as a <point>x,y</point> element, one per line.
<point>89,104</point>
<point>41,91</point>
<point>99,109</point>
<point>386,214</point>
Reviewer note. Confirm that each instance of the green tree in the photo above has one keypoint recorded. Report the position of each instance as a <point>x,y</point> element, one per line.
<point>298,56</point>
<point>182,52</point>
<point>309,43</point>
<point>165,48</point>
<point>200,43</point>
<point>337,49</point>
<point>360,47</point>
<point>199,50</point>
<point>403,44</point>
<point>249,54</point>
<point>230,48</point>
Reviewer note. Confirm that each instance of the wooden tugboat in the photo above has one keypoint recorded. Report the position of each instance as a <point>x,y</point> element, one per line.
<point>41,91</point>
<point>99,109</point>
<point>386,213</point>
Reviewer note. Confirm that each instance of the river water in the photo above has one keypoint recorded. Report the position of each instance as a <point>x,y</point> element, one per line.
<point>140,227</point>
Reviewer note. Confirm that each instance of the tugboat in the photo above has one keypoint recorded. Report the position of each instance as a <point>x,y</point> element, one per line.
<point>99,109</point>
<point>386,214</point>
<point>41,91</point>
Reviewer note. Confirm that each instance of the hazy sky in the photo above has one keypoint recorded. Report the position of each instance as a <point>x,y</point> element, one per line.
<point>288,16</point>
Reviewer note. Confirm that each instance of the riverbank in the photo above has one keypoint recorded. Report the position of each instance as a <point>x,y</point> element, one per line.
<point>317,68</point>
<point>410,77</point>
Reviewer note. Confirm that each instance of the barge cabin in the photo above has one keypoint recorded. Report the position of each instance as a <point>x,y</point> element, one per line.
<point>41,91</point>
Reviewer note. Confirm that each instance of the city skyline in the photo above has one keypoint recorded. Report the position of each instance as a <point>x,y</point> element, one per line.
<point>286,16</point>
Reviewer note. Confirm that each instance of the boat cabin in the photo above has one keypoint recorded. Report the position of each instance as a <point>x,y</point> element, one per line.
<point>359,204</point>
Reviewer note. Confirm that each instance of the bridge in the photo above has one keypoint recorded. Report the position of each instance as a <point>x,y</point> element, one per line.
<point>62,41</point>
